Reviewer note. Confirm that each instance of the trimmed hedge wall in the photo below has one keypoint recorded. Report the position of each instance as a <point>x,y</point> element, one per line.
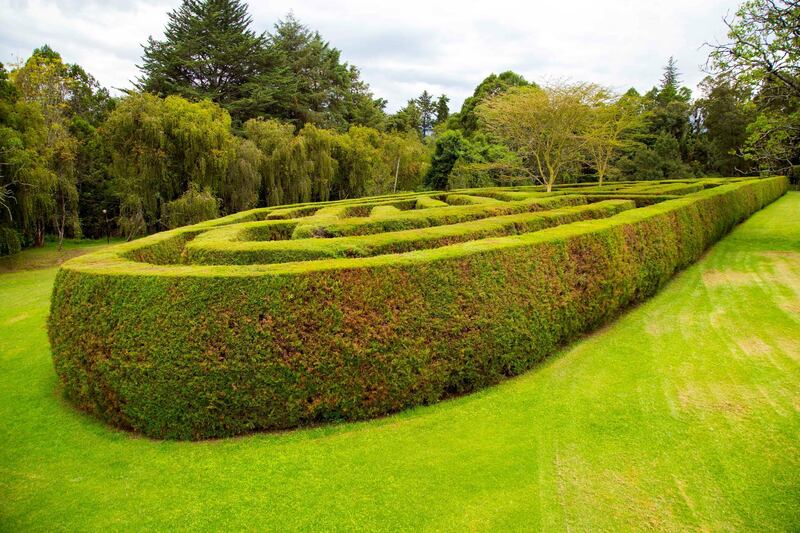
<point>219,247</point>
<point>192,352</point>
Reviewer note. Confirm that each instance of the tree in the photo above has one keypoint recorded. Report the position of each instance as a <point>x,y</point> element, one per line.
<point>407,160</point>
<point>544,126</point>
<point>44,81</point>
<point>722,117</point>
<point>763,45</point>
<point>241,187</point>
<point>209,51</point>
<point>408,118</point>
<point>158,146</point>
<point>611,119</point>
<point>442,110</point>
<point>302,169</point>
<point>427,113</point>
<point>763,54</point>
<point>269,136</point>
<point>445,155</point>
<point>461,162</point>
<point>322,89</point>
<point>773,141</point>
<point>193,206</point>
<point>25,181</point>
<point>491,86</point>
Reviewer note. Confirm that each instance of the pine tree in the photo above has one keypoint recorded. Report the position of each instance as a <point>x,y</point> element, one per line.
<point>671,77</point>
<point>208,51</point>
<point>323,90</point>
<point>427,110</point>
<point>442,109</point>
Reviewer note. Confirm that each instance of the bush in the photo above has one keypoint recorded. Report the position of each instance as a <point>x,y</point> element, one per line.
<point>9,242</point>
<point>192,207</point>
<point>195,351</point>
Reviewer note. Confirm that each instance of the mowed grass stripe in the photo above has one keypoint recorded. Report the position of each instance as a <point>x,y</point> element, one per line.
<point>673,418</point>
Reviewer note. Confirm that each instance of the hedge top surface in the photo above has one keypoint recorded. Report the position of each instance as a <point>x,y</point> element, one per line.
<point>320,221</point>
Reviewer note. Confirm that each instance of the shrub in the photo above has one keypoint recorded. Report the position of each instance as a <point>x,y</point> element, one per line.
<point>193,206</point>
<point>9,241</point>
<point>195,351</point>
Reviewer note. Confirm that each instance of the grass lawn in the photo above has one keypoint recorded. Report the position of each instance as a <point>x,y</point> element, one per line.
<point>49,255</point>
<point>682,415</point>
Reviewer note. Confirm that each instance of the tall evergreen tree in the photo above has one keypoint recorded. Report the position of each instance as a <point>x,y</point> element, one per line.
<point>671,76</point>
<point>209,51</point>
<point>322,90</point>
<point>442,109</point>
<point>427,110</point>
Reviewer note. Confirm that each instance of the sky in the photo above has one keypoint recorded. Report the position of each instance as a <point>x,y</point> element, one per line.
<point>405,47</point>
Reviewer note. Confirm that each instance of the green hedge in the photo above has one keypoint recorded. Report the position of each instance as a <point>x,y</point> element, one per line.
<point>221,247</point>
<point>423,218</point>
<point>190,352</point>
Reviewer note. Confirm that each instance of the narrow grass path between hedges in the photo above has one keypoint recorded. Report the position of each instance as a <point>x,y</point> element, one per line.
<point>682,415</point>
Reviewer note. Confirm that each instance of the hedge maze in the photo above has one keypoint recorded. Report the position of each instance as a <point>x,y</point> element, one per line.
<point>294,315</point>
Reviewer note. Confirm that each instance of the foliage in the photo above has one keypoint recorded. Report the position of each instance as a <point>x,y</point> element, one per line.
<point>763,45</point>
<point>321,89</point>
<point>611,122</point>
<point>193,206</point>
<point>446,152</point>
<point>158,146</point>
<point>723,115</point>
<point>9,241</point>
<point>762,54</point>
<point>240,190</point>
<point>546,127</point>
<point>493,85</point>
<point>420,115</point>
<point>46,83</point>
<point>291,74</point>
<point>224,350</point>
<point>461,162</point>
<point>208,52</point>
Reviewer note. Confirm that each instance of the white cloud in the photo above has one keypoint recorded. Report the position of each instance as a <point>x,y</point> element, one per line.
<point>405,47</point>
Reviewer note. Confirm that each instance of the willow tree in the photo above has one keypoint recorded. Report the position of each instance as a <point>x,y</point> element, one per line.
<point>193,206</point>
<point>544,126</point>
<point>158,146</point>
<point>269,136</point>
<point>407,159</point>
<point>242,184</point>
<point>319,145</point>
<point>361,169</point>
<point>302,170</point>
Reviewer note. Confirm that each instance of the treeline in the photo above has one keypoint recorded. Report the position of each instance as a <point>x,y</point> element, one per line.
<point>224,119</point>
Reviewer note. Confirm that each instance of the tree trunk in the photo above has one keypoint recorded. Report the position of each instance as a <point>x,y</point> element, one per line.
<point>396,173</point>
<point>38,235</point>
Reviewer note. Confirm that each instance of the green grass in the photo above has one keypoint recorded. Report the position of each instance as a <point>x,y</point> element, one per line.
<point>49,255</point>
<point>684,414</point>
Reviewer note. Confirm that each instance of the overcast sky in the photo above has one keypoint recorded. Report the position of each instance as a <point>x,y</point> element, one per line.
<point>403,47</point>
